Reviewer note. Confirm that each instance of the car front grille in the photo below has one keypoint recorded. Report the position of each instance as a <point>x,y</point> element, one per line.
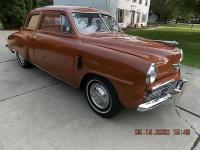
<point>161,91</point>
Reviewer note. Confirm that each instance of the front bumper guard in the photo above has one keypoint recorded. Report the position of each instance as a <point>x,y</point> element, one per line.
<point>157,102</point>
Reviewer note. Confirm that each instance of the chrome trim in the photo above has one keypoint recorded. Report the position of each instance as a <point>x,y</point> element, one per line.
<point>185,80</point>
<point>168,42</point>
<point>152,104</point>
<point>163,84</point>
<point>180,87</point>
<point>182,55</point>
<point>177,66</point>
<point>99,95</point>
<point>149,73</point>
<point>157,102</point>
<point>104,22</point>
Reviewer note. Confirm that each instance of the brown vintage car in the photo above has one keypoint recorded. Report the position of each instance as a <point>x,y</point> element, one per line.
<point>85,48</point>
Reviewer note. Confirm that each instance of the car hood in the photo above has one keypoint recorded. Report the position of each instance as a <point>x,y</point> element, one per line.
<point>153,51</point>
<point>164,55</point>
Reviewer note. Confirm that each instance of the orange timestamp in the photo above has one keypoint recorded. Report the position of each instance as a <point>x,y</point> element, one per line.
<point>175,132</point>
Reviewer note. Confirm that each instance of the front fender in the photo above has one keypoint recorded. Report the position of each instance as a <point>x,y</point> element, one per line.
<point>126,72</point>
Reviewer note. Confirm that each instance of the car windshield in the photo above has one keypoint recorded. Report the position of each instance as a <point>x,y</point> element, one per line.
<point>89,23</point>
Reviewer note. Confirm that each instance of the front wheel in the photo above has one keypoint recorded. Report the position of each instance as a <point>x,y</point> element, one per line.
<point>102,97</point>
<point>22,61</point>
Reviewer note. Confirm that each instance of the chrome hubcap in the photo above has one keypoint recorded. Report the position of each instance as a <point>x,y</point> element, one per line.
<point>99,95</point>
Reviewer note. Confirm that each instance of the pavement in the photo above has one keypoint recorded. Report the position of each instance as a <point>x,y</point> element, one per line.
<point>39,112</point>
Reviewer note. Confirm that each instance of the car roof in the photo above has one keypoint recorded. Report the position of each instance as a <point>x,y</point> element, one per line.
<point>70,9</point>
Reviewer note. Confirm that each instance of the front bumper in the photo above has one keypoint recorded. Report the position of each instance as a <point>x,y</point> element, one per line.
<point>162,93</point>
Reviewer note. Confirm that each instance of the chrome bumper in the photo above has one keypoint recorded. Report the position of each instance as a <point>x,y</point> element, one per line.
<point>179,88</point>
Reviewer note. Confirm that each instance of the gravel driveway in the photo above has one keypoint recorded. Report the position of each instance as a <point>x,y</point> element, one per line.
<point>39,112</point>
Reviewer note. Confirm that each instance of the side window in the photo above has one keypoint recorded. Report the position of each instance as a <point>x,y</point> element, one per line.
<point>33,22</point>
<point>51,22</point>
<point>55,23</point>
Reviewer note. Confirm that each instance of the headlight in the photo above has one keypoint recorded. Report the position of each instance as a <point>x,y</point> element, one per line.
<point>181,51</point>
<point>151,74</point>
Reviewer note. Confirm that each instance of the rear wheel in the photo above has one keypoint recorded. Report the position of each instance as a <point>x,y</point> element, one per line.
<point>22,61</point>
<point>102,97</point>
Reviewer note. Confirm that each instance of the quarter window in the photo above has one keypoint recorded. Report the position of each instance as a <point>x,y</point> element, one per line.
<point>120,15</point>
<point>33,22</point>
<point>65,27</point>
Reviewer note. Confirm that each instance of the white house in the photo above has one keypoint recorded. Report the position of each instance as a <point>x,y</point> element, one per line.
<point>126,12</point>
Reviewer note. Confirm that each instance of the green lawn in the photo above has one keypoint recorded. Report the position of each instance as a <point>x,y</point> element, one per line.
<point>188,38</point>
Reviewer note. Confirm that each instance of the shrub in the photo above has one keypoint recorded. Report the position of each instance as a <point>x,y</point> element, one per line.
<point>13,12</point>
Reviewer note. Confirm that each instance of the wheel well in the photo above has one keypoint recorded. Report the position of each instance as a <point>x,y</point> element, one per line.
<point>86,76</point>
<point>84,79</point>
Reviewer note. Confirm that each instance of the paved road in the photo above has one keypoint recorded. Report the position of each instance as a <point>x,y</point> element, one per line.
<point>39,112</point>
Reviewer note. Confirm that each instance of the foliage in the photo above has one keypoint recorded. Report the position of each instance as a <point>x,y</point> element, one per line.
<point>13,12</point>
<point>187,37</point>
<point>28,5</point>
<point>45,2</point>
<point>173,9</point>
<point>163,9</point>
<point>34,3</point>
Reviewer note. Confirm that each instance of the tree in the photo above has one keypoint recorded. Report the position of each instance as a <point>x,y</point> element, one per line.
<point>12,13</point>
<point>28,5</point>
<point>34,3</point>
<point>196,7</point>
<point>188,9</point>
<point>164,9</point>
<point>175,9</point>
<point>42,3</point>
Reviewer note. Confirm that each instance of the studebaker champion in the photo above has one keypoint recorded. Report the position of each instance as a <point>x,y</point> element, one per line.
<point>86,48</point>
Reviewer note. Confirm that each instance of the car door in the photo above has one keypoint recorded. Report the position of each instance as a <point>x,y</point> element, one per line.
<point>25,40</point>
<point>54,46</point>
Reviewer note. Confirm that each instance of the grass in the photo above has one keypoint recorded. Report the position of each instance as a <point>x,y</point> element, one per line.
<point>189,39</point>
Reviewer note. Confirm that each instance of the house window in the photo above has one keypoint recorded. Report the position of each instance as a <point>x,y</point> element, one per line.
<point>140,1</point>
<point>120,15</point>
<point>138,17</point>
<point>144,17</point>
<point>146,2</point>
